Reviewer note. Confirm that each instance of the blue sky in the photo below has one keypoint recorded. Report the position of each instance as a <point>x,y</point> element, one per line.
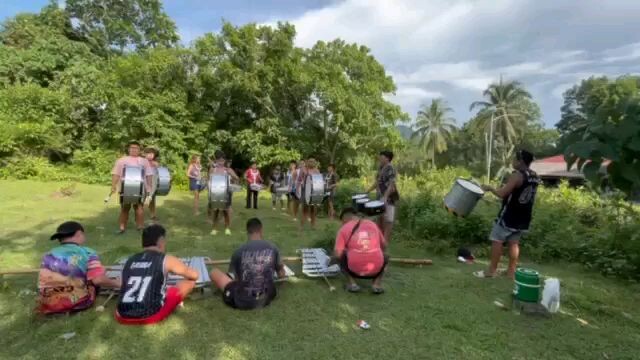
<point>446,48</point>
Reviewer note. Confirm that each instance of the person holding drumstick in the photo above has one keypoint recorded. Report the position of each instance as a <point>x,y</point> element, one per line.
<point>152,154</point>
<point>387,192</point>
<point>309,212</point>
<point>252,175</point>
<point>219,167</point>
<point>518,196</point>
<point>132,159</point>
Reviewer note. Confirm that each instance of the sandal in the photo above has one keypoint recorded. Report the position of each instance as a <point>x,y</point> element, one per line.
<point>377,290</point>
<point>352,288</point>
<point>483,275</point>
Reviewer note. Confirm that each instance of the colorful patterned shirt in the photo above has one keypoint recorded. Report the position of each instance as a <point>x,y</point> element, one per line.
<point>64,280</point>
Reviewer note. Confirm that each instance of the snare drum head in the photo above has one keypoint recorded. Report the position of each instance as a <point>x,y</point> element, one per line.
<point>363,201</point>
<point>358,196</point>
<point>374,204</point>
<point>470,186</point>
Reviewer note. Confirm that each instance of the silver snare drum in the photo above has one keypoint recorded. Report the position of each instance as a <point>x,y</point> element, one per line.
<point>357,197</point>
<point>463,197</point>
<point>132,188</point>
<point>219,191</point>
<point>162,181</point>
<point>313,193</point>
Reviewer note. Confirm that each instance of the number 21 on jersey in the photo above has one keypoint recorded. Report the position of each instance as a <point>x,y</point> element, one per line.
<point>136,289</point>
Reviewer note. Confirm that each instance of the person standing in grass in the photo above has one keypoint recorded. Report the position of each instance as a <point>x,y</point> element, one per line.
<point>275,181</point>
<point>70,274</point>
<point>360,248</point>
<point>387,192</point>
<point>296,187</point>
<point>252,266</point>
<point>152,154</point>
<point>291,188</point>
<point>194,173</point>
<point>331,179</point>
<point>145,297</point>
<point>220,167</point>
<point>133,159</point>
<point>309,212</point>
<point>518,197</point>
<point>254,180</point>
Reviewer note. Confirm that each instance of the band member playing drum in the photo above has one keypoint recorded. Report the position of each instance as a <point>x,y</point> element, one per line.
<point>254,180</point>
<point>387,192</point>
<point>219,167</point>
<point>145,297</point>
<point>152,154</point>
<point>331,179</point>
<point>309,212</point>
<point>518,196</point>
<point>194,173</point>
<point>276,180</point>
<point>132,159</point>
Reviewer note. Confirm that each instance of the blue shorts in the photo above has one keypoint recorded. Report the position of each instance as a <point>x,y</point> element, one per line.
<point>195,185</point>
<point>502,233</point>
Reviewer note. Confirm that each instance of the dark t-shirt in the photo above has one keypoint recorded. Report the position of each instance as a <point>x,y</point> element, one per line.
<point>253,265</point>
<point>386,175</point>
<point>277,180</point>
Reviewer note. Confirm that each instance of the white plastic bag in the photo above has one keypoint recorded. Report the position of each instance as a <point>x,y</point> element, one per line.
<point>551,295</point>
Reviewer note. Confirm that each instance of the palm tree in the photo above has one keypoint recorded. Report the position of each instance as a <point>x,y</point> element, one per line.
<point>505,110</point>
<point>433,128</point>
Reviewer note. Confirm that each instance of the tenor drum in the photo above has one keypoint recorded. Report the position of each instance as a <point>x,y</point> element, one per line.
<point>313,192</point>
<point>357,197</point>
<point>463,197</point>
<point>162,181</point>
<point>360,203</point>
<point>373,208</point>
<point>132,188</point>
<point>255,187</point>
<point>219,191</point>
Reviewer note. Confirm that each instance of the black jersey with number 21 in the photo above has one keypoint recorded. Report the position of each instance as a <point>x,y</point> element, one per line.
<point>143,285</point>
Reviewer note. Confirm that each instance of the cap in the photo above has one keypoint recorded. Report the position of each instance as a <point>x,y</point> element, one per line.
<point>66,229</point>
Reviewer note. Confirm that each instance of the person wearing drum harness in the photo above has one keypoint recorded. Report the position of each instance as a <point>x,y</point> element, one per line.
<point>145,297</point>
<point>219,167</point>
<point>152,154</point>
<point>276,179</point>
<point>252,175</point>
<point>518,197</point>
<point>360,248</point>
<point>387,192</point>
<point>252,266</point>
<point>309,212</point>
<point>132,159</point>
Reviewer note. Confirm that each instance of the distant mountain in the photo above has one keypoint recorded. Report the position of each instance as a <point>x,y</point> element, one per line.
<point>405,131</point>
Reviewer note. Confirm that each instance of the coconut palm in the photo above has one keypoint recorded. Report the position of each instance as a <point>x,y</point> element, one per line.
<point>504,109</point>
<point>433,128</point>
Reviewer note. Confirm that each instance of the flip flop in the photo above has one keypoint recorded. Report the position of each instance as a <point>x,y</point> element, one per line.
<point>352,288</point>
<point>483,275</point>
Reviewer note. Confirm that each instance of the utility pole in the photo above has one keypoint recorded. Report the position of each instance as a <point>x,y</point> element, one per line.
<point>489,148</point>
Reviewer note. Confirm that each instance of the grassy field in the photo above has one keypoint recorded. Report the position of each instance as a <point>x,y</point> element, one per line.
<point>433,312</point>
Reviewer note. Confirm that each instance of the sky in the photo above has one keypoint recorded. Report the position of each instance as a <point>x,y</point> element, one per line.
<point>450,49</point>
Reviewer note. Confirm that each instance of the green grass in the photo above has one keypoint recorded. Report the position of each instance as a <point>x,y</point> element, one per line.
<point>436,312</point>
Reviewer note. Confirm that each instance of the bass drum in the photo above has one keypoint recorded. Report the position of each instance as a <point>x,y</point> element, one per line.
<point>132,189</point>
<point>313,191</point>
<point>463,197</point>
<point>162,181</point>
<point>219,191</point>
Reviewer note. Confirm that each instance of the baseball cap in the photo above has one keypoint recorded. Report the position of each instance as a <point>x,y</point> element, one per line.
<point>66,229</point>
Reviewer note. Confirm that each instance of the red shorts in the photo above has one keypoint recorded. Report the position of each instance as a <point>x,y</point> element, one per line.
<point>171,301</point>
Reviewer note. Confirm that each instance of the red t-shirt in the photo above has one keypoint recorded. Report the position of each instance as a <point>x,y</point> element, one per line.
<point>253,176</point>
<point>364,249</point>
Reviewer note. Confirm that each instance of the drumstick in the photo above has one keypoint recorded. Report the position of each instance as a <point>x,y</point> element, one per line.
<point>101,307</point>
<point>331,288</point>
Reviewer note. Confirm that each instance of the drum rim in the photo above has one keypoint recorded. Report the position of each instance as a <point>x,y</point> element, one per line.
<point>358,196</point>
<point>371,204</point>
<point>462,183</point>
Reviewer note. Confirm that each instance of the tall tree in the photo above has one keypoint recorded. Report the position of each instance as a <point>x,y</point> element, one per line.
<point>123,24</point>
<point>433,128</point>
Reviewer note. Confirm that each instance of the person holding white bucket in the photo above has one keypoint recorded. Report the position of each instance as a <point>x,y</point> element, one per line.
<point>518,196</point>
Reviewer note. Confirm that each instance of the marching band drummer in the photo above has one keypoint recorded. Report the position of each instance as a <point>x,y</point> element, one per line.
<point>252,175</point>
<point>219,167</point>
<point>132,159</point>
<point>152,154</point>
<point>309,212</point>
<point>387,192</point>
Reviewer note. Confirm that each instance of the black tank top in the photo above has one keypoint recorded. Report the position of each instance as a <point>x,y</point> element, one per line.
<point>517,208</point>
<point>143,285</point>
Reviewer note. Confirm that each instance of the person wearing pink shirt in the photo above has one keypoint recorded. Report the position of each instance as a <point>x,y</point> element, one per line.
<point>133,158</point>
<point>360,248</point>
<point>252,175</point>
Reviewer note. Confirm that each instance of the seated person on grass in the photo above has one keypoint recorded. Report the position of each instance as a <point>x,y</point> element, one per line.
<point>252,267</point>
<point>70,274</point>
<point>145,298</point>
<point>360,248</point>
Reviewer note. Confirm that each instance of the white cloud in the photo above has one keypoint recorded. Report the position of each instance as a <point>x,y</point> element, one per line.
<point>623,53</point>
